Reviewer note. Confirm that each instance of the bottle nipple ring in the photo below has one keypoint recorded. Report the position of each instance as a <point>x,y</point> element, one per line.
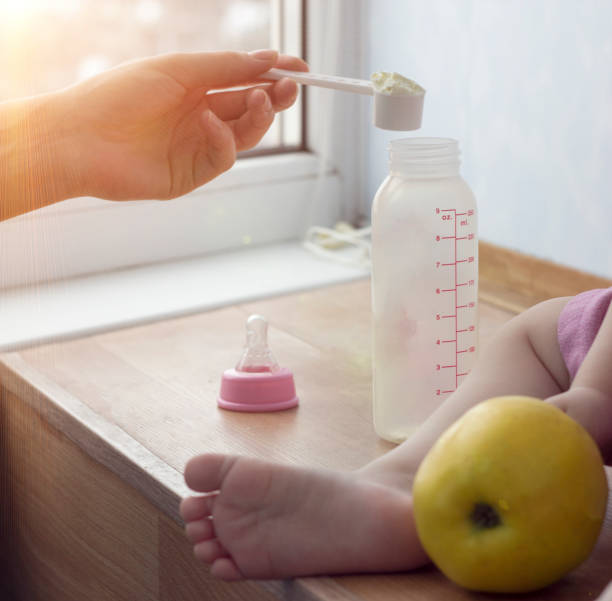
<point>257,383</point>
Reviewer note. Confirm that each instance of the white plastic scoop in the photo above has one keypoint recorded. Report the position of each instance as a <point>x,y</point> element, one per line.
<point>398,107</point>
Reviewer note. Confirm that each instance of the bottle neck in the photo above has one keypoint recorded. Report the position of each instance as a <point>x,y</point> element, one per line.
<point>424,157</point>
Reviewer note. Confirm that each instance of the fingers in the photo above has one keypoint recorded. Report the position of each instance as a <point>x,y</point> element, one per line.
<point>217,69</point>
<point>254,122</point>
<point>232,104</point>
<point>283,94</point>
<point>225,123</point>
<point>291,63</point>
<point>251,127</point>
<point>218,153</point>
<point>200,158</point>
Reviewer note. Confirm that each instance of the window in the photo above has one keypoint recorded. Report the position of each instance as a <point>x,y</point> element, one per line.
<point>270,197</point>
<point>46,45</point>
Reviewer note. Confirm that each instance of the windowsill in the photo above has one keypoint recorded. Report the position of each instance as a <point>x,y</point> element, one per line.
<point>86,305</point>
<point>263,200</point>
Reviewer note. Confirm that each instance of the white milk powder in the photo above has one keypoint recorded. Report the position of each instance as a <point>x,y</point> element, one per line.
<point>395,84</point>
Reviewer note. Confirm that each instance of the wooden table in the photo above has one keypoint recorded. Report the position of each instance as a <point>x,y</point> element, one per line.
<point>95,433</point>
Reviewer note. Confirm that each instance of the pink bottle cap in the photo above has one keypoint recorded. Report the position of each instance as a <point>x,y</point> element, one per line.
<point>257,383</point>
<point>257,391</point>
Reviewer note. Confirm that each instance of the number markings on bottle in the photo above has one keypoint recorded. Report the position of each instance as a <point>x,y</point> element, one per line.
<point>448,215</point>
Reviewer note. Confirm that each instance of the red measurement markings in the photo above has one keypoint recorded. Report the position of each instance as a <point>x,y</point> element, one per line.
<point>455,261</point>
<point>456,299</point>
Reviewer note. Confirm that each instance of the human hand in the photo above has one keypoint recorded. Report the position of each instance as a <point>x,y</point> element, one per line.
<point>153,129</point>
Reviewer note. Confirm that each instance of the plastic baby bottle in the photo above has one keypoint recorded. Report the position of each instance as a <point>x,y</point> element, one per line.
<point>424,284</point>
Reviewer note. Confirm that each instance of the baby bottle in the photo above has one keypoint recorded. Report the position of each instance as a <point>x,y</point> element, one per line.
<point>424,284</point>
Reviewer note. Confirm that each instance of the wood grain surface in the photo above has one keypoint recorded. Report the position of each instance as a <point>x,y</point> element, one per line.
<point>515,281</point>
<point>116,416</point>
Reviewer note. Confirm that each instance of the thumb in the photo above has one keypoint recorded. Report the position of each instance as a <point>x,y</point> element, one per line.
<point>216,69</point>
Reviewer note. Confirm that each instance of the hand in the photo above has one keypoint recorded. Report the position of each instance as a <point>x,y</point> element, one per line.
<point>152,129</point>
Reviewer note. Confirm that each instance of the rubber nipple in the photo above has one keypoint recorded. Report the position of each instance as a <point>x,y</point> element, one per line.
<point>257,356</point>
<point>257,383</point>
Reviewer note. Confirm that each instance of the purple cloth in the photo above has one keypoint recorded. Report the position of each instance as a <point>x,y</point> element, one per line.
<point>579,323</point>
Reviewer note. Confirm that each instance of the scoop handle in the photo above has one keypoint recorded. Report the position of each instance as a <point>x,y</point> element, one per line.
<point>347,84</point>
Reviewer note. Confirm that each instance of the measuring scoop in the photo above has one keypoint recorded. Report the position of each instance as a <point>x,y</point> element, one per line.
<point>399,111</point>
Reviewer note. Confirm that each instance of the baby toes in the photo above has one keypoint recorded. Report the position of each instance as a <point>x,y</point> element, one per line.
<point>209,551</point>
<point>226,569</point>
<point>199,531</point>
<point>196,508</point>
<point>206,473</point>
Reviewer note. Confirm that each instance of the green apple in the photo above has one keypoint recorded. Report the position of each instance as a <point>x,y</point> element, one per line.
<point>511,497</point>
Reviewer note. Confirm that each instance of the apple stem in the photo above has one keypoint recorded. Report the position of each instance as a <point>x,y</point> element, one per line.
<point>484,516</point>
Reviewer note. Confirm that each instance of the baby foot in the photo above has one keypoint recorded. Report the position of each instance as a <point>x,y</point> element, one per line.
<point>263,520</point>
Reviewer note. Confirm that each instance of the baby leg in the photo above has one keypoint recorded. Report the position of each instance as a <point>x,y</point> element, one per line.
<point>589,398</point>
<point>523,358</point>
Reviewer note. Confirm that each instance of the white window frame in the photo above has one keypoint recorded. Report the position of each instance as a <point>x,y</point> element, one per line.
<point>269,198</point>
